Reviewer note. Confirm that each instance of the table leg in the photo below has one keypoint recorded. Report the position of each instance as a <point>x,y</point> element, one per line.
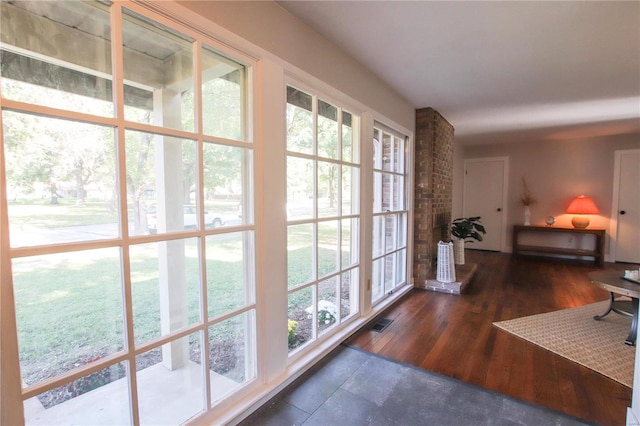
<point>611,299</point>
<point>631,339</point>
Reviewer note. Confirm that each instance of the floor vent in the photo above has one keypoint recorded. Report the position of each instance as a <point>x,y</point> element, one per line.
<point>381,324</point>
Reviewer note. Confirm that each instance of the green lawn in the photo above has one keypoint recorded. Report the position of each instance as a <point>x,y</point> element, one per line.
<point>42,214</point>
<point>69,306</point>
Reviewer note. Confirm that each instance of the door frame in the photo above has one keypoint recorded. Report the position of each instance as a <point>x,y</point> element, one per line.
<point>613,224</point>
<point>505,192</point>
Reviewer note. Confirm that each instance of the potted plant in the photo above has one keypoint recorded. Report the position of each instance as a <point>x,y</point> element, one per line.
<point>465,229</point>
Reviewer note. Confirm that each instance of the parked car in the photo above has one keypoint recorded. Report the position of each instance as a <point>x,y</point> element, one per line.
<point>190,218</point>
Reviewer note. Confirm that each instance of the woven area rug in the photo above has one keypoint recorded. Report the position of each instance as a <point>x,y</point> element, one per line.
<point>574,334</point>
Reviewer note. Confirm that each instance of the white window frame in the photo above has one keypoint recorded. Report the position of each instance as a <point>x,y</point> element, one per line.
<point>342,105</point>
<point>408,174</point>
<point>9,374</point>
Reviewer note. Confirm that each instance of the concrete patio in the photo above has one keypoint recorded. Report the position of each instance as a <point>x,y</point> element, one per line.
<point>165,398</point>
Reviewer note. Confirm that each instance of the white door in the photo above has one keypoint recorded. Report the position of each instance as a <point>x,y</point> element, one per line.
<point>484,196</point>
<point>628,206</point>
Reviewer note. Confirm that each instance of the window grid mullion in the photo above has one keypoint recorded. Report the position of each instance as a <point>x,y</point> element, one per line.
<point>203,334</point>
<point>118,97</point>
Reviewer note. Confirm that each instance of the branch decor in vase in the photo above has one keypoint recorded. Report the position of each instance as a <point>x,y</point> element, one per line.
<point>465,229</point>
<point>527,200</point>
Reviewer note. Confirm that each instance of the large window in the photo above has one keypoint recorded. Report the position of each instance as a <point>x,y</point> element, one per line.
<point>323,217</point>
<point>170,255</point>
<point>129,178</point>
<point>390,211</point>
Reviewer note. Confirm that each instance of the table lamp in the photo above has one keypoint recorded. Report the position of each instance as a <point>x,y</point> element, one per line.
<point>581,206</point>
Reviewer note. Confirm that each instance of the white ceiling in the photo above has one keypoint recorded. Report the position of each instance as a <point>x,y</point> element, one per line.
<point>498,71</point>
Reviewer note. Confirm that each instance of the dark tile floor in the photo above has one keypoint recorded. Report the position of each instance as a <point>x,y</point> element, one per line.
<point>353,387</point>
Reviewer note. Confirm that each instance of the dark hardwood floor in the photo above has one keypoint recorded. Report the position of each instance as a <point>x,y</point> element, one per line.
<point>454,336</point>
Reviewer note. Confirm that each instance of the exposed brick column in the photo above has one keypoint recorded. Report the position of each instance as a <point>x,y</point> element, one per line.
<point>433,189</point>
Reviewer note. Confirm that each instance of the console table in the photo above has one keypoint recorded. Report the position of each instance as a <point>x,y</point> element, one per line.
<point>597,252</point>
<point>611,281</point>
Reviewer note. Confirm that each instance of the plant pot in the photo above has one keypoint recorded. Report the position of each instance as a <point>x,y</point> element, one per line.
<point>458,251</point>
<point>446,272</point>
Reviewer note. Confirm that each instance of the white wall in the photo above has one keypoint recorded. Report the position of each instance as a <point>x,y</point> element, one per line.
<point>458,180</point>
<point>556,171</point>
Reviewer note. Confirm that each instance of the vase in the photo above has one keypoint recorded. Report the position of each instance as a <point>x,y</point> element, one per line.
<point>446,272</point>
<point>527,216</point>
<point>458,250</point>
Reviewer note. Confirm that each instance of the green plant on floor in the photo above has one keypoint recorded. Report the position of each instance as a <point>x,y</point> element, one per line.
<point>468,228</point>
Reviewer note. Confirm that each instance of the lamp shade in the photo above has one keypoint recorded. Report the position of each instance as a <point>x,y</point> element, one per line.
<point>582,205</point>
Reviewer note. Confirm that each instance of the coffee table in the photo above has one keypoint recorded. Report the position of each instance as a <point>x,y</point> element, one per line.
<point>614,284</point>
